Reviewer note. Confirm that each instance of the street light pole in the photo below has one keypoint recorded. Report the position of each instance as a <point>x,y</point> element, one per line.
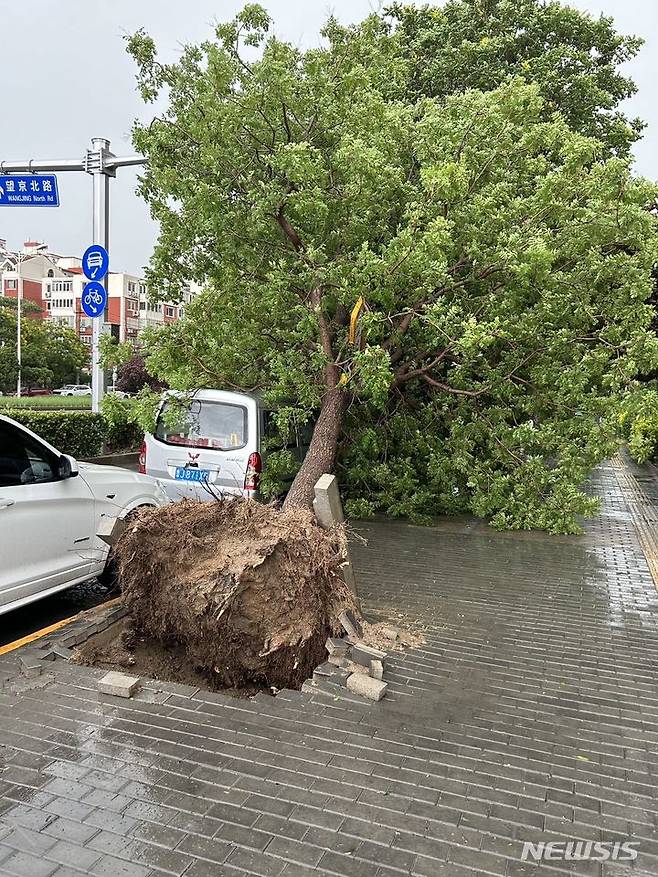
<point>19,314</point>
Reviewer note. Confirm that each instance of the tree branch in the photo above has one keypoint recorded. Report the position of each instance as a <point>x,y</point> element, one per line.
<point>289,231</point>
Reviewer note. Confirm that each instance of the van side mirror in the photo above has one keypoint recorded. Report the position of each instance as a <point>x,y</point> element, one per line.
<point>68,467</point>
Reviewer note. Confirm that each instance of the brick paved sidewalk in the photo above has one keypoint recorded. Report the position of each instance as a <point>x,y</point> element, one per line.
<point>530,714</point>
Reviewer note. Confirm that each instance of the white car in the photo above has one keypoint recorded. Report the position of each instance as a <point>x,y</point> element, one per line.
<point>51,512</point>
<point>73,390</point>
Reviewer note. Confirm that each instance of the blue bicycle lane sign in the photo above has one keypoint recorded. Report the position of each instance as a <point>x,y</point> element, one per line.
<point>94,299</point>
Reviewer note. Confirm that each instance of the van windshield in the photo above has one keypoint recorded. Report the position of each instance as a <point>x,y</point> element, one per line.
<point>197,424</point>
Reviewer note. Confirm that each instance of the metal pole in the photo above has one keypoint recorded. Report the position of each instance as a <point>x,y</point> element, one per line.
<point>100,235</point>
<point>19,314</point>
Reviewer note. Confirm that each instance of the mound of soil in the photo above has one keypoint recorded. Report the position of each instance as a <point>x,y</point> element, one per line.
<point>249,593</point>
<point>119,648</point>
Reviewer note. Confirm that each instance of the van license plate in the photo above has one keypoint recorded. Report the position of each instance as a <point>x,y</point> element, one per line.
<point>183,474</point>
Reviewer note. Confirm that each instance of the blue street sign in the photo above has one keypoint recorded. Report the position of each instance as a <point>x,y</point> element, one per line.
<point>94,299</point>
<point>95,262</point>
<point>29,190</point>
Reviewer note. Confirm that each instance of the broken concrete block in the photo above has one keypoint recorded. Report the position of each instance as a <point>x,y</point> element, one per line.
<point>390,631</point>
<point>327,505</point>
<point>366,686</point>
<point>362,654</point>
<point>376,669</point>
<point>110,529</point>
<point>118,684</point>
<point>30,666</point>
<point>337,646</point>
<point>62,651</point>
<point>339,661</point>
<point>350,624</point>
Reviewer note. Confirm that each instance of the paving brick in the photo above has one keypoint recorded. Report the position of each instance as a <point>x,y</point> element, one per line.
<point>167,861</point>
<point>337,863</point>
<point>246,837</point>
<point>278,825</point>
<point>255,863</point>
<point>161,835</point>
<point>109,866</point>
<point>27,865</point>
<point>67,829</point>
<point>205,848</point>
<point>294,851</point>
<point>73,855</point>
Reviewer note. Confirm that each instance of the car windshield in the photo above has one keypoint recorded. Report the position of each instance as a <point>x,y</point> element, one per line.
<point>197,424</point>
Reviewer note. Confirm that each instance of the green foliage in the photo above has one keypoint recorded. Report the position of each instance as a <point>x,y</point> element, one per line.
<point>121,429</point>
<point>51,355</point>
<point>638,419</point>
<point>136,415</point>
<point>80,433</point>
<point>280,467</point>
<point>572,57</point>
<point>113,353</point>
<point>50,403</point>
<point>505,257</point>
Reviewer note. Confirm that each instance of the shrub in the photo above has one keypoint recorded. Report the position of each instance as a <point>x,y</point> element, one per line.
<point>80,433</point>
<point>122,422</point>
<point>132,376</point>
<point>639,424</point>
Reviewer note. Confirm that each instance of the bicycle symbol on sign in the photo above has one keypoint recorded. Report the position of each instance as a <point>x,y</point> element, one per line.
<point>93,299</point>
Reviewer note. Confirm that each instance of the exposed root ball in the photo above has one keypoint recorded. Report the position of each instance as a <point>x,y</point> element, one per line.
<point>250,593</point>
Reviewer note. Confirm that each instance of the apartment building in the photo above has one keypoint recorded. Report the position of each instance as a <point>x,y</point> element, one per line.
<point>55,285</point>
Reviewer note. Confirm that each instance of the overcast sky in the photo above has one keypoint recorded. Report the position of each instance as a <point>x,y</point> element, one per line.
<point>66,78</point>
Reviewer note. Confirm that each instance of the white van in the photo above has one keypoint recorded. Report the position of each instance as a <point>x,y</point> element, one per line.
<point>210,443</point>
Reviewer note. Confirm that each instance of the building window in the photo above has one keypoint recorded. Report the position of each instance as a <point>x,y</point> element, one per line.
<point>169,312</point>
<point>11,284</point>
<point>142,305</point>
<point>51,273</point>
<point>131,286</point>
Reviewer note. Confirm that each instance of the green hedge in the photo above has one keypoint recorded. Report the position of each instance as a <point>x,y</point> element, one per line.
<point>47,403</point>
<point>79,433</point>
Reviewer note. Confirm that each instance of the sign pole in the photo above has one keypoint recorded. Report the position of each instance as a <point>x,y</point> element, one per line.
<point>100,235</point>
<point>19,315</point>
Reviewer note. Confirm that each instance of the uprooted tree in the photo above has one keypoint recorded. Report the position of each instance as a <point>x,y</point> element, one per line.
<point>456,285</point>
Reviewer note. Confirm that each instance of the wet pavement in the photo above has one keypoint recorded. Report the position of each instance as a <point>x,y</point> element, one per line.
<point>530,714</point>
<point>42,613</point>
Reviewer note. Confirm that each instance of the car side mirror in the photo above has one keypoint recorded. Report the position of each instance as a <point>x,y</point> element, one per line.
<point>68,467</point>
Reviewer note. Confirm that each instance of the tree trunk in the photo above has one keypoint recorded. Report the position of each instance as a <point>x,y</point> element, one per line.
<point>321,454</point>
